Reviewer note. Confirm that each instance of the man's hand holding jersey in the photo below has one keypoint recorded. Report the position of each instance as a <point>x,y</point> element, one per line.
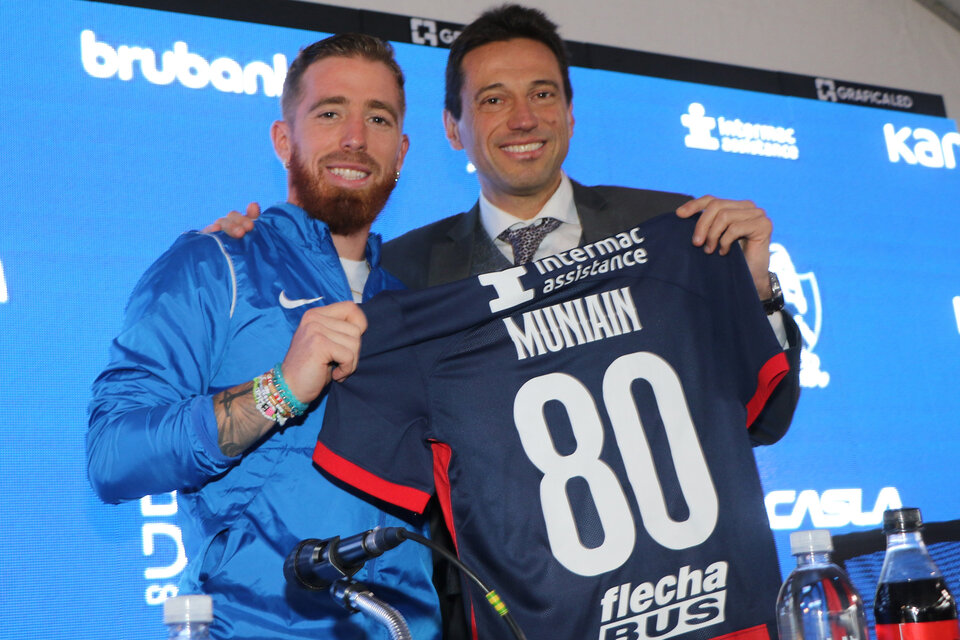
<point>725,221</point>
<point>325,347</point>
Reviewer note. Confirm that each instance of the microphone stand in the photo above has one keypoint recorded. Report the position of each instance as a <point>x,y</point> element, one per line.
<point>318,564</point>
<point>355,596</point>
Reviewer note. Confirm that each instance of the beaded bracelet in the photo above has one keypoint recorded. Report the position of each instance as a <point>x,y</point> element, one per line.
<point>269,401</point>
<point>298,407</point>
<point>265,405</point>
<point>274,399</point>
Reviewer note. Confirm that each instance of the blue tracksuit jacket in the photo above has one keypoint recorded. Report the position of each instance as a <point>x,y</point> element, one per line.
<point>211,313</point>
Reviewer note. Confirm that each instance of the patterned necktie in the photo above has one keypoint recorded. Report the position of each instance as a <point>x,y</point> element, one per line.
<point>525,240</point>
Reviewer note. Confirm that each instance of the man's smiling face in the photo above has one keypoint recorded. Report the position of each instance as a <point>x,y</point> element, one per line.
<point>516,123</point>
<point>345,143</point>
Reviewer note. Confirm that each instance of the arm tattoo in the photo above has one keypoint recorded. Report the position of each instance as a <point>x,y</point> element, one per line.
<point>239,423</point>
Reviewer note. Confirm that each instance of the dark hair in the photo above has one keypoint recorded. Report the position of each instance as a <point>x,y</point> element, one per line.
<point>506,22</point>
<point>344,45</point>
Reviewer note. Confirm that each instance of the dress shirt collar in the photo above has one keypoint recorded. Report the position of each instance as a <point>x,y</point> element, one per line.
<point>560,206</point>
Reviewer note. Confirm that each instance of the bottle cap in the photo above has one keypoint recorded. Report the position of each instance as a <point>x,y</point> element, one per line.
<point>902,520</point>
<point>815,541</point>
<point>193,608</point>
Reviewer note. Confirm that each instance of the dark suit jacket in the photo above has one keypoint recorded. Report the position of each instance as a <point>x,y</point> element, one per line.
<point>458,247</point>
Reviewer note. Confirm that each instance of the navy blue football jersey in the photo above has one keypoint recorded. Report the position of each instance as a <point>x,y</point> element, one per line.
<point>583,421</point>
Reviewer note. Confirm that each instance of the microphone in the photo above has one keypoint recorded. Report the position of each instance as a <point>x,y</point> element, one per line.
<point>316,564</point>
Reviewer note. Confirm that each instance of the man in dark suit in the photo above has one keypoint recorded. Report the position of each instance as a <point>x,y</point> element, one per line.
<point>508,104</point>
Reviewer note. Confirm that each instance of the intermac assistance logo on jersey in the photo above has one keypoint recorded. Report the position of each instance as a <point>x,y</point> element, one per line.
<point>737,136</point>
<point>103,60</point>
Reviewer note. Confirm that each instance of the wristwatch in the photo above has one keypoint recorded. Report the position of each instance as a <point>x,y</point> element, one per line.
<point>775,302</point>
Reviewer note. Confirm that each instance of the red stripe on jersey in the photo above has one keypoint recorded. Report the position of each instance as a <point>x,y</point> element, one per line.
<point>398,494</point>
<point>758,632</point>
<point>770,376</point>
<point>441,480</point>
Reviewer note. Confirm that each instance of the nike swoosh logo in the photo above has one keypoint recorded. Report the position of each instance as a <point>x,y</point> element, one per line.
<point>287,303</point>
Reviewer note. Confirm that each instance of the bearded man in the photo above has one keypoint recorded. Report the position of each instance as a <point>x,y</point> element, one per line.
<point>216,383</point>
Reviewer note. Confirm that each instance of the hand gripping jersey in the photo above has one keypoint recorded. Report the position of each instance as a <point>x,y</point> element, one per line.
<point>583,422</point>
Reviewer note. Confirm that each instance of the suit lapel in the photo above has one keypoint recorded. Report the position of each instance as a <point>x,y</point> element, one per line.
<point>596,221</point>
<point>447,258</point>
<point>602,218</point>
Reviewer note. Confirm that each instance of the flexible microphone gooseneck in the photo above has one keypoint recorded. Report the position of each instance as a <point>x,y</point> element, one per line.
<point>316,564</point>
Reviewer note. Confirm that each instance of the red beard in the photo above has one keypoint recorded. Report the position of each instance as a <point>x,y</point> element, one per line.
<point>346,211</point>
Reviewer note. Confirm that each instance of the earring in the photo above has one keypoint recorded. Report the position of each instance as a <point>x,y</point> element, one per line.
<point>286,165</point>
<point>396,177</point>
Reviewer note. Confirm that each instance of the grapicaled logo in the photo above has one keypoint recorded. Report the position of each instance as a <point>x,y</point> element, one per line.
<point>832,91</point>
<point>801,294</point>
<point>921,146</point>
<point>737,136</point>
<point>102,60</point>
<point>423,31</point>
<point>826,89</point>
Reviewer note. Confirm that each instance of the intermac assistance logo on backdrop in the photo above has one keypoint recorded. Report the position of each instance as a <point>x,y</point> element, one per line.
<point>801,294</point>
<point>103,60</point>
<point>737,136</point>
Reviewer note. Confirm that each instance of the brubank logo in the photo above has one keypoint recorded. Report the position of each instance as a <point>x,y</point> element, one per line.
<point>737,136</point>
<point>102,60</point>
<point>921,146</point>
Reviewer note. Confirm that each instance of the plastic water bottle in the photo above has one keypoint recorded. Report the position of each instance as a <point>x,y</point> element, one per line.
<point>188,617</point>
<point>817,601</point>
<point>913,600</point>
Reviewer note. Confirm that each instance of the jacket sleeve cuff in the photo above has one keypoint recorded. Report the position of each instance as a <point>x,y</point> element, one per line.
<point>204,423</point>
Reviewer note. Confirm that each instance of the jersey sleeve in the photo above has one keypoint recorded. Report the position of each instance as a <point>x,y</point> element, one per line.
<point>151,423</point>
<point>375,434</point>
<point>756,350</point>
